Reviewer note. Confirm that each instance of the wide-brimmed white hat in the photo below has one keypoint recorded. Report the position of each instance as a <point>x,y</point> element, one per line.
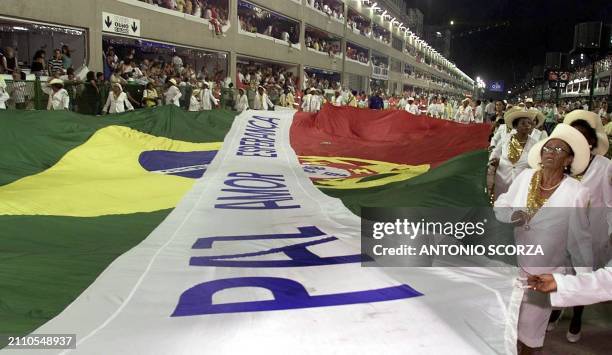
<point>538,117</point>
<point>573,138</point>
<point>529,99</point>
<point>118,85</point>
<point>56,82</point>
<point>515,113</point>
<point>172,81</point>
<point>411,98</point>
<point>594,121</point>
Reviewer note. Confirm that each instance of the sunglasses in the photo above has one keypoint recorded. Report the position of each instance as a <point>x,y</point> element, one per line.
<point>554,150</point>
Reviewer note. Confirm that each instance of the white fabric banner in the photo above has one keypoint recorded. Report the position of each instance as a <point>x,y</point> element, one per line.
<point>255,259</point>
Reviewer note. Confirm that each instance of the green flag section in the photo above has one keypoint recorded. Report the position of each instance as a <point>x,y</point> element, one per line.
<point>392,158</point>
<point>78,191</point>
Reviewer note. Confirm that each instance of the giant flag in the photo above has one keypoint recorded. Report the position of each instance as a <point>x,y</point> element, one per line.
<point>165,232</point>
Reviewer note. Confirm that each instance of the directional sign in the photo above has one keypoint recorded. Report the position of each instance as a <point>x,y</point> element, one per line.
<point>120,24</point>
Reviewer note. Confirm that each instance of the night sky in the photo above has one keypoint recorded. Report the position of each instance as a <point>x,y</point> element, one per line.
<point>509,52</point>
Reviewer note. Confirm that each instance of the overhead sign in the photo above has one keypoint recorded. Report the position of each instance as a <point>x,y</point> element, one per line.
<point>496,86</point>
<point>557,79</point>
<point>120,24</point>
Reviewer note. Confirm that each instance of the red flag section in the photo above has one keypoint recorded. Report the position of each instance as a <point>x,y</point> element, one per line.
<point>390,136</point>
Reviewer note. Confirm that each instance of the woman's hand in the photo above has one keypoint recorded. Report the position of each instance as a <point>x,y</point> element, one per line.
<point>544,283</point>
<point>494,162</point>
<point>519,218</point>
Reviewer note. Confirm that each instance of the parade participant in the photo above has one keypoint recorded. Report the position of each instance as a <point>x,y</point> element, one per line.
<point>501,130</point>
<point>262,101</point>
<point>307,101</point>
<point>207,99</point>
<point>117,101</point>
<point>194,101</point>
<point>529,103</point>
<point>464,114</point>
<point>172,94</point>
<point>562,233</point>
<point>242,103</point>
<point>598,179</point>
<point>58,96</point>
<point>411,107</point>
<point>352,99</point>
<point>337,101</point>
<point>536,128</point>
<point>509,158</point>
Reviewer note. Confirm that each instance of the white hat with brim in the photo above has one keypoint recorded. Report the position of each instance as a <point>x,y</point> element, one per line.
<point>515,113</point>
<point>573,138</point>
<point>529,99</point>
<point>172,81</point>
<point>411,99</point>
<point>538,117</point>
<point>56,82</point>
<point>118,85</point>
<point>592,118</point>
<point>467,99</point>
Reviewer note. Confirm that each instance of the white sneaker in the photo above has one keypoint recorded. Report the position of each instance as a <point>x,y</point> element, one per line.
<point>573,338</point>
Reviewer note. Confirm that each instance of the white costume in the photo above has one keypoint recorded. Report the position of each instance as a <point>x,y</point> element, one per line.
<point>262,102</point>
<point>413,109</point>
<point>4,97</point>
<point>172,95</point>
<point>207,99</point>
<point>506,171</point>
<point>242,104</point>
<point>59,100</point>
<point>307,104</point>
<point>538,134</point>
<point>583,289</point>
<point>563,235</point>
<point>500,135</point>
<point>598,179</point>
<point>117,104</point>
<point>194,104</point>
<point>464,115</point>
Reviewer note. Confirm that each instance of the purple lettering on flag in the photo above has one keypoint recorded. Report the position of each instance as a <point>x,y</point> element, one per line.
<point>288,294</point>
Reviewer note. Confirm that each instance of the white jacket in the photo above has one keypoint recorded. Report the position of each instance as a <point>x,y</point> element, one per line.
<point>262,102</point>
<point>118,104</point>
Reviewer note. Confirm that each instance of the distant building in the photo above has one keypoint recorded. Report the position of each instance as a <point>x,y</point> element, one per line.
<point>415,21</point>
<point>439,38</point>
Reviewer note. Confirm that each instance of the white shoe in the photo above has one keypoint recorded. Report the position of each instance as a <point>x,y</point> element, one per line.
<point>573,338</point>
<point>553,325</point>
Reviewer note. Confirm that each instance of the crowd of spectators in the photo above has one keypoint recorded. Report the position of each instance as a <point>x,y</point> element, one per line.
<point>215,11</point>
<point>274,79</point>
<point>321,82</point>
<point>359,24</point>
<point>332,8</point>
<point>267,23</point>
<point>381,34</point>
<point>357,54</point>
<point>320,43</point>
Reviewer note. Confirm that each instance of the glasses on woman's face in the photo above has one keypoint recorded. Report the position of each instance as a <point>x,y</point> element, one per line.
<point>554,150</point>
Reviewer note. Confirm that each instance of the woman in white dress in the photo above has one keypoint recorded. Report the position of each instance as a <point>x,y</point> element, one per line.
<point>194,101</point>
<point>562,233</point>
<point>509,158</point>
<point>58,96</point>
<point>598,179</point>
<point>117,101</point>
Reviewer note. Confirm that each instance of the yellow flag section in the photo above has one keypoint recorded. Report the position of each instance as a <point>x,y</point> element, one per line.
<point>353,173</point>
<point>107,175</point>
